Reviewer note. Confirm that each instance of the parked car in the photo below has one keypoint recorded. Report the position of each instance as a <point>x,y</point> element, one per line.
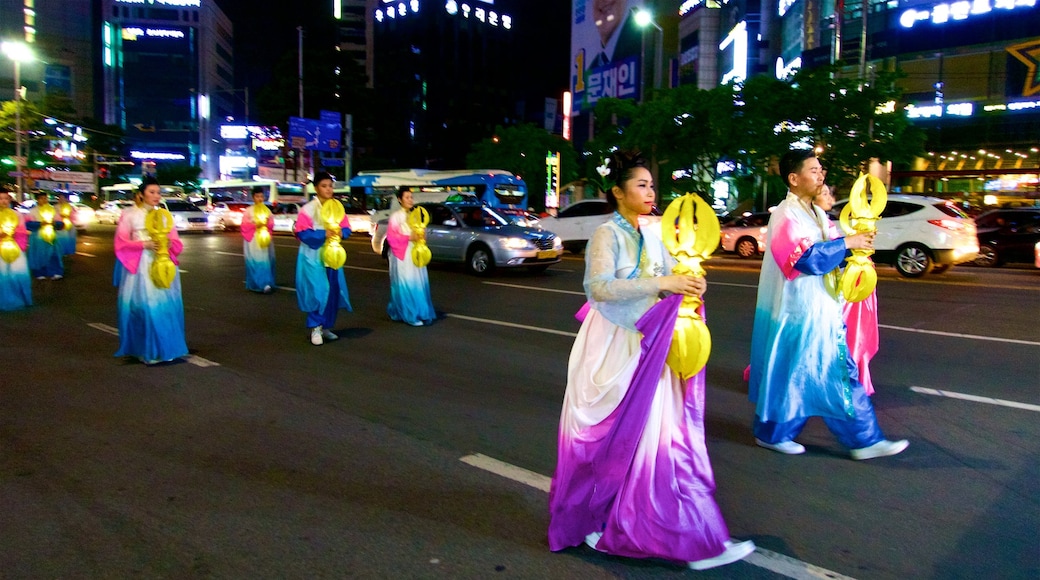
<point>920,234</point>
<point>480,237</point>
<point>82,216</point>
<point>360,221</point>
<point>188,217</point>
<point>229,213</point>
<point>110,211</point>
<point>285,215</point>
<point>575,223</point>
<point>1007,235</point>
<point>746,236</point>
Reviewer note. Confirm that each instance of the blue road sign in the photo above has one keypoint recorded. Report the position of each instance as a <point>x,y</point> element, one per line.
<point>317,135</point>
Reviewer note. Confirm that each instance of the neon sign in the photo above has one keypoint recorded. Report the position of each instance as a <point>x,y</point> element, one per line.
<point>394,9</point>
<point>134,32</point>
<point>177,3</point>
<point>157,155</point>
<point>960,10</point>
<point>738,38</point>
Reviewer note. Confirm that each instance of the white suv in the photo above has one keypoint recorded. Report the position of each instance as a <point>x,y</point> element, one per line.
<point>919,234</point>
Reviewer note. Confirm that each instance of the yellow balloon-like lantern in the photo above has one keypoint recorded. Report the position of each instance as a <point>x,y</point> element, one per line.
<point>333,254</point>
<point>65,210</point>
<point>47,223</point>
<point>260,216</point>
<point>690,231</point>
<point>860,216</point>
<point>9,249</point>
<point>418,219</point>
<point>159,223</point>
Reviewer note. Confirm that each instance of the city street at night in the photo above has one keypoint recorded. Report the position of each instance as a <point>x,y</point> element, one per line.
<point>402,452</point>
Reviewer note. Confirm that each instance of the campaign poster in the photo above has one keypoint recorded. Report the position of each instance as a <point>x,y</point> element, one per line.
<point>606,46</point>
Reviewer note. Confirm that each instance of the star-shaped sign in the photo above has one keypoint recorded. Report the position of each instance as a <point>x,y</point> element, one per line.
<point>1029,54</point>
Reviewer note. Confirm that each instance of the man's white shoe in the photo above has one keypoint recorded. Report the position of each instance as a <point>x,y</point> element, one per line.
<point>882,448</point>
<point>785,447</point>
<point>734,551</point>
<point>592,539</point>
<point>328,335</point>
<point>316,339</point>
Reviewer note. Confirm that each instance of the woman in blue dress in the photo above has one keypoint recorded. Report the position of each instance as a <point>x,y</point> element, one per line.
<point>257,246</point>
<point>15,282</point>
<point>151,318</point>
<point>409,284</point>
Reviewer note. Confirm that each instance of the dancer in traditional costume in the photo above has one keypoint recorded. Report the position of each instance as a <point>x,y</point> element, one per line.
<point>800,361</point>
<point>410,300</point>
<point>66,236</point>
<point>321,288</point>
<point>44,253</point>
<point>151,311</point>
<point>15,282</point>
<point>633,476</point>
<point>257,246</point>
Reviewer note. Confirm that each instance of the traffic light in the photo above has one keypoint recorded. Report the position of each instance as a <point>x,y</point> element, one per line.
<point>102,172</point>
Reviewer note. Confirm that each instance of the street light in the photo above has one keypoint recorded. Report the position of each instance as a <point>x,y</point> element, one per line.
<point>643,19</point>
<point>18,52</point>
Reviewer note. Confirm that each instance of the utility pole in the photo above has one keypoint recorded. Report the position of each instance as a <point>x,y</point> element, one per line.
<point>863,42</point>
<point>299,70</point>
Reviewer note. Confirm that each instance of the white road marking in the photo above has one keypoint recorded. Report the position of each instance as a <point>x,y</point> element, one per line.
<point>85,254</point>
<point>288,288</point>
<point>976,399</point>
<point>367,269</point>
<point>522,287</point>
<point>227,253</point>
<point>710,283</point>
<point>959,335</point>
<point>195,360</point>
<point>762,558</point>
<point>513,325</point>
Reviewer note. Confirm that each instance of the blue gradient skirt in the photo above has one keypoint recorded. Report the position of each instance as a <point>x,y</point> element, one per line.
<point>15,284</point>
<point>409,292</point>
<point>259,265</point>
<point>151,320</point>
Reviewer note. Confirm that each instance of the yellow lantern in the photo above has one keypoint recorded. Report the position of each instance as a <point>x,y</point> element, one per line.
<point>159,223</point>
<point>65,210</point>
<point>9,249</point>
<point>860,216</point>
<point>260,216</point>
<point>418,219</point>
<point>47,220</point>
<point>690,231</point>
<point>332,214</point>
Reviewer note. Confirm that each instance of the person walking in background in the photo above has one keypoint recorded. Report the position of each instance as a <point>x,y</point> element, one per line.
<point>410,300</point>
<point>151,310</point>
<point>321,288</point>
<point>800,364</point>
<point>44,254</point>
<point>257,245</point>
<point>15,282</point>
<point>633,476</point>
<point>861,318</point>
<point>66,236</point>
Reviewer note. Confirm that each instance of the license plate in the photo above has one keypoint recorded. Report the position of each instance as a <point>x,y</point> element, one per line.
<point>544,254</point>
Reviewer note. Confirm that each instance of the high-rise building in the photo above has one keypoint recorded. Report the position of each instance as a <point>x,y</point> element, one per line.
<point>443,72</point>
<point>168,78</point>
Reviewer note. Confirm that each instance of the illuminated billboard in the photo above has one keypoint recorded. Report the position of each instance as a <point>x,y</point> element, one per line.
<point>606,44</point>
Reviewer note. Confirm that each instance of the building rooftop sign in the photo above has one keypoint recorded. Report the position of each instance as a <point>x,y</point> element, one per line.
<point>960,10</point>
<point>393,9</point>
<point>175,3</point>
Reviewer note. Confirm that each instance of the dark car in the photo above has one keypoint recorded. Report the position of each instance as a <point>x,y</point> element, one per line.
<point>480,237</point>
<point>1007,235</point>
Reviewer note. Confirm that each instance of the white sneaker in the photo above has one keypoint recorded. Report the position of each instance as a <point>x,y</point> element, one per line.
<point>416,323</point>
<point>882,448</point>
<point>316,339</point>
<point>267,289</point>
<point>734,551</point>
<point>57,277</point>
<point>328,335</point>
<point>41,277</point>
<point>592,539</point>
<point>785,447</point>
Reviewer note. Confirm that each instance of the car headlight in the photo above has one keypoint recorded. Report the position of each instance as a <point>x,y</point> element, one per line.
<point>557,243</point>
<point>516,244</point>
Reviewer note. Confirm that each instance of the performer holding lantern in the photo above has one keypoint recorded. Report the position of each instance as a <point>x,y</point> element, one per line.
<point>151,310</point>
<point>257,227</point>
<point>321,288</point>
<point>800,363</point>
<point>409,282</point>
<point>66,236</point>
<point>44,253</point>
<point>15,282</point>
<point>633,476</point>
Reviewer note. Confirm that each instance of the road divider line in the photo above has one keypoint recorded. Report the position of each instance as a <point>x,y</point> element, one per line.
<point>735,285</point>
<point>772,561</point>
<point>367,269</point>
<point>959,335</point>
<point>522,287</point>
<point>513,325</point>
<point>85,254</point>
<point>227,253</point>
<point>288,288</point>
<point>192,359</point>
<point>976,399</point>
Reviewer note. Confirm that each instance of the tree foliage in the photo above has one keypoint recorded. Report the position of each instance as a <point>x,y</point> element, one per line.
<point>522,149</point>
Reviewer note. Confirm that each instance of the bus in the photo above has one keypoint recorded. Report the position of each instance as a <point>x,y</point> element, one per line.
<point>239,190</point>
<point>492,187</point>
<point>126,191</point>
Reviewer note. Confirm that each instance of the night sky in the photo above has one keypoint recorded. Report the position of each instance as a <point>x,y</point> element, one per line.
<point>262,36</point>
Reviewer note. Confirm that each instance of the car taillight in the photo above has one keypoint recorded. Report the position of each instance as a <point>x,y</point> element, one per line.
<point>952,225</point>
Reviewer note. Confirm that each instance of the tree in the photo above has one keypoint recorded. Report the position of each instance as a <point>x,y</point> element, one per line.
<point>182,174</point>
<point>521,149</point>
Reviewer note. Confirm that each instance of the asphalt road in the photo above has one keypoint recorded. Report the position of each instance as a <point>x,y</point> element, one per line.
<point>264,456</point>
